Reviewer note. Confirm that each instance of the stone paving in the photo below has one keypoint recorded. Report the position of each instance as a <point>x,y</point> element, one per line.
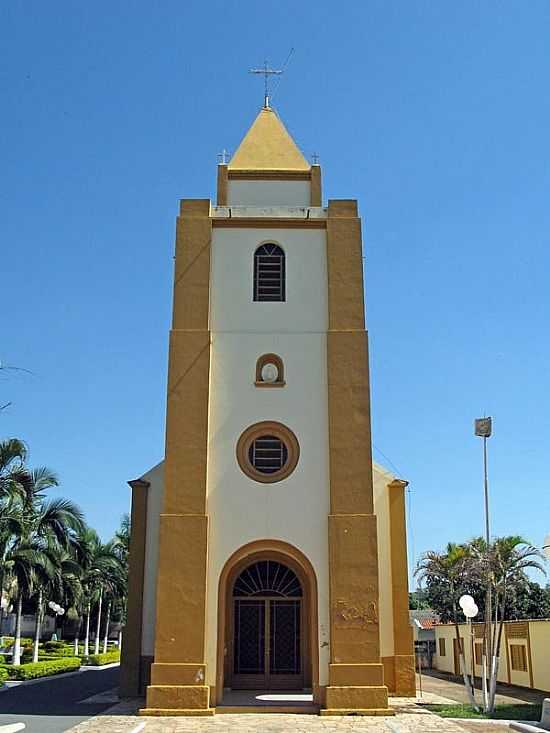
<point>409,718</point>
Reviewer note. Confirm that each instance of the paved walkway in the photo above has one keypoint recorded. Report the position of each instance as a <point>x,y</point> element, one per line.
<point>410,718</point>
<point>439,683</point>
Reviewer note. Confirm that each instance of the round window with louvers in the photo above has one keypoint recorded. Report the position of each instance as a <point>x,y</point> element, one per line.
<point>268,452</point>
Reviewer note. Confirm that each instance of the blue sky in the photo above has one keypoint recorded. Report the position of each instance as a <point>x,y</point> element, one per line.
<point>434,115</point>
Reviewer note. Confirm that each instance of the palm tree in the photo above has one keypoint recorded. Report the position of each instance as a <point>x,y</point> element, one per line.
<point>12,466</point>
<point>64,585</point>
<point>97,561</point>
<point>41,525</point>
<point>13,476</point>
<point>123,552</point>
<point>114,585</point>
<point>453,571</point>
<point>509,557</point>
<point>29,567</point>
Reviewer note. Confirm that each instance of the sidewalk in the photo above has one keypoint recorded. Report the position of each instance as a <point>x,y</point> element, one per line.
<point>409,718</point>
<point>439,683</point>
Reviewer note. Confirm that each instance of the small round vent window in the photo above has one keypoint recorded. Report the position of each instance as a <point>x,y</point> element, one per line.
<point>268,452</point>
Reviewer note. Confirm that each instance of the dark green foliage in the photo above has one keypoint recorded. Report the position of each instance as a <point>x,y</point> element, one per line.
<point>98,660</point>
<point>3,675</point>
<point>418,600</point>
<point>51,646</point>
<point>44,669</point>
<point>9,641</point>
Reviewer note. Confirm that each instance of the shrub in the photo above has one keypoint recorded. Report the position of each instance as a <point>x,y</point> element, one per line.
<point>98,660</point>
<point>44,669</point>
<point>9,641</point>
<point>54,646</point>
<point>3,675</point>
<point>2,658</point>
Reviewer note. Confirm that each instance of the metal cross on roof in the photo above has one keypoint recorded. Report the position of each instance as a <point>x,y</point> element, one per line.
<point>267,72</point>
<point>223,157</point>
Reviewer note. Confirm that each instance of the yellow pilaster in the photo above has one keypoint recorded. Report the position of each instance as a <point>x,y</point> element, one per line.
<point>178,673</point>
<point>355,671</point>
<point>404,666</point>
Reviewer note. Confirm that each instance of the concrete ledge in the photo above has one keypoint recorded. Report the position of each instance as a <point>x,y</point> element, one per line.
<point>177,712</point>
<point>358,711</point>
<point>260,709</point>
<point>528,727</point>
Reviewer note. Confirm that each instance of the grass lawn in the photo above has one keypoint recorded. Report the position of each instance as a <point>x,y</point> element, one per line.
<point>526,711</point>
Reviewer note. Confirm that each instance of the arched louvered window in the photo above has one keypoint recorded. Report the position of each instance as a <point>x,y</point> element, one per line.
<point>268,578</point>
<point>269,273</point>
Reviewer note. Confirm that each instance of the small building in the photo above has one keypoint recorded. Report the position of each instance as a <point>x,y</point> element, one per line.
<point>423,625</point>
<point>524,651</point>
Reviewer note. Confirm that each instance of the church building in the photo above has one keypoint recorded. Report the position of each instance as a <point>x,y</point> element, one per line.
<point>268,551</point>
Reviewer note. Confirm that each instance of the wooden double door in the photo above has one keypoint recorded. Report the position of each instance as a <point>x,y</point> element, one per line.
<point>267,643</point>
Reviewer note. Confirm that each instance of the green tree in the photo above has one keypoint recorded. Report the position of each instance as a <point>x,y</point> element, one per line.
<point>98,561</point>
<point>452,570</point>
<point>418,600</point>
<point>36,525</point>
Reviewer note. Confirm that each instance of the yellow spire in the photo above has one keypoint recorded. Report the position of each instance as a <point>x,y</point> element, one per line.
<point>268,146</point>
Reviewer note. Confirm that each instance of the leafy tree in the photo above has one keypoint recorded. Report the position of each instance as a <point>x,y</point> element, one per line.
<point>418,600</point>
<point>32,526</point>
<point>451,570</point>
<point>528,599</point>
<point>98,562</point>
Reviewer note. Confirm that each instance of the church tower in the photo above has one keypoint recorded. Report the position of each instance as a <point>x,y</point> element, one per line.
<point>268,553</point>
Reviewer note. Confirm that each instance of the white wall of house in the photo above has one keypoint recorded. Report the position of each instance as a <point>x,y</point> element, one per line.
<point>533,636</point>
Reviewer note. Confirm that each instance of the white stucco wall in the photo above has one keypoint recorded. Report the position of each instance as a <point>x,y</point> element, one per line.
<point>381,479</point>
<point>268,193</point>
<point>155,492</point>
<point>306,306</point>
<point>294,510</point>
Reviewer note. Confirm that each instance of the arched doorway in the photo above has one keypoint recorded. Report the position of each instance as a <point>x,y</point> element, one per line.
<point>267,630</point>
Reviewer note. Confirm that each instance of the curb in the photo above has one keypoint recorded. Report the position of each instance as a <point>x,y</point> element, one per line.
<point>492,721</point>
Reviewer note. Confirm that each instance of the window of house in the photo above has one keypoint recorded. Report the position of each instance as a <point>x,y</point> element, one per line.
<point>518,658</point>
<point>442,651</point>
<point>269,273</point>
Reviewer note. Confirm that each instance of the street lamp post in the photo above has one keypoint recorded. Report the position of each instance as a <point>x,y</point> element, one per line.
<point>59,611</point>
<point>483,428</point>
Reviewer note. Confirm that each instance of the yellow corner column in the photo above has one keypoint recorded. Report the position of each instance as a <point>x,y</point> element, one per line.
<point>404,672</point>
<point>356,678</point>
<point>178,673</point>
